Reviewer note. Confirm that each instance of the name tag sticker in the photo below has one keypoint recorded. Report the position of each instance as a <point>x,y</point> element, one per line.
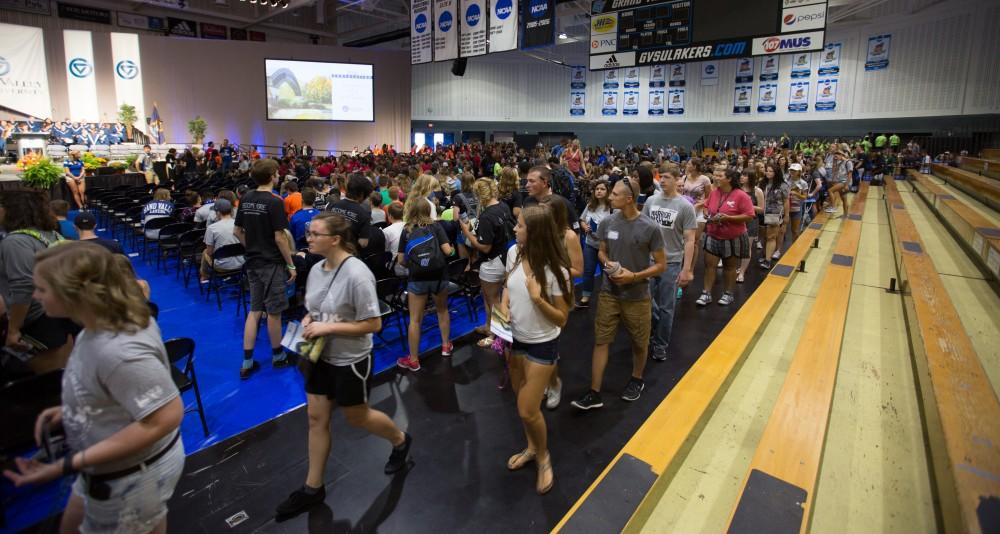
<point>613,234</point>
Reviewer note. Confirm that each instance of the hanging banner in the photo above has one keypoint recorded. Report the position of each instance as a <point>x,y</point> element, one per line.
<point>38,7</point>
<point>256,36</point>
<point>81,82</point>
<point>141,22</point>
<point>182,27</point>
<point>741,98</point>
<point>609,104</point>
<point>539,23</point>
<point>475,29</point>
<point>213,31</point>
<point>767,98</point>
<point>829,60</point>
<point>878,52</point>
<point>826,95</point>
<point>503,25</point>
<point>656,102</point>
<point>421,40</point>
<point>798,97</point>
<point>676,105</point>
<point>577,103</point>
<point>237,34</point>
<point>801,64</point>
<point>128,73</point>
<point>611,79</point>
<point>445,30</point>
<point>769,68</point>
<point>631,77</point>
<point>744,70</point>
<point>677,74</point>
<point>657,75</point>
<point>578,78</point>
<point>710,73</point>
<point>84,13</point>
<point>630,105</point>
<point>24,81</point>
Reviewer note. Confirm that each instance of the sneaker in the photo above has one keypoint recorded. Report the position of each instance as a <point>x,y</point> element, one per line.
<point>776,256</point>
<point>766,265</point>
<point>583,303</point>
<point>245,372</point>
<point>726,299</point>
<point>720,264</point>
<point>553,396</point>
<point>658,354</point>
<point>705,299</point>
<point>280,362</point>
<point>760,246</point>
<point>299,501</point>
<point>830,209</point>
<point>398,456</point>
<point>409,362</point>
<point>589,401</point>
<point>447,349</point>
<point>633,390</point>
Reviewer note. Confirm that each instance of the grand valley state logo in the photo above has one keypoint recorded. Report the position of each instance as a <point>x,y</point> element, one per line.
<point>4,66</point>
<point>127,69</point>
<point>79,67</point>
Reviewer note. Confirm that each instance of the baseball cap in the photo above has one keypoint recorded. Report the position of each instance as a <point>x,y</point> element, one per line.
<point>85,220</point>
<point>222,205</point>
<point>795,167</point>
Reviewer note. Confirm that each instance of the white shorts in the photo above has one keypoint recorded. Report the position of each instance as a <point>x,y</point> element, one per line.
<point>492,271</point>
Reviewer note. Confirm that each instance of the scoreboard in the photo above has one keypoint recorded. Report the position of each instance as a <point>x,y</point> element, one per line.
<point>626,33</point>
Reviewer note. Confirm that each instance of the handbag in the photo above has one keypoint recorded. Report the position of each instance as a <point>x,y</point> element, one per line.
<point>311,349</point>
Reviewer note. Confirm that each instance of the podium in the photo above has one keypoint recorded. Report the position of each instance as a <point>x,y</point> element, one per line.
<point>30,143</point>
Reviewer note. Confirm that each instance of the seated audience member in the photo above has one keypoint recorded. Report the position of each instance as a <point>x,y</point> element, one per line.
<point>193,200</point>
<point>392,233</point>
<point>60,208</point>
<point>205,213</point>
<point>378,215</point>
<point>160,206</point>
<point>85,223</point>
<point>293,201</point>
<point>217,235</point>
<point>300,219</point>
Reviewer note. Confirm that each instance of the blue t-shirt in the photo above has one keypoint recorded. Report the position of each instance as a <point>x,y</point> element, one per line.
<point>68,231</point>
<point>75,167</point>
<point>297,224</point>
<point>226,152</point>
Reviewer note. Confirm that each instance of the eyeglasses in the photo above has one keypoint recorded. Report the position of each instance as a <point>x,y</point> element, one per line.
<point>316,234</point>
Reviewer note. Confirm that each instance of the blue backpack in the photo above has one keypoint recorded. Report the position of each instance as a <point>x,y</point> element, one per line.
<point>424,257</point>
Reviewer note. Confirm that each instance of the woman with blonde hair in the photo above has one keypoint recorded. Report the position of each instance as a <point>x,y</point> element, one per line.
<point>75,179</point>
<point>508,190</point>
<point>120,408</point>
<point>422,188</point>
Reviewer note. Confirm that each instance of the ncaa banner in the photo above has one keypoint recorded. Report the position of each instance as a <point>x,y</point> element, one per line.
<point>539,23</point>
<point>475,29</point>
<point>503,25</point>
<point>578,78</point>
<point>445,30</point>
<point>767,98</point>
<point>878,52</point>
<point>769,69</point>
<point>677,74</point>
<point>630,105</point>
<point>801,64</point>
<point>421,40</point>
<point>24,82</point>
<point>81,80</point>
<point>741,98</point>
<point>676,104</point>
<point>829,61</point>
<point>798,97</point>
<point>128,73</point>
<point>577,103</point>
<point>656,102</point>
<point>826,95</point>
<point>609,104</point>
<point>710,73</point>
<point>611,79</point>
<point>631,77</point>
<point>657,75</point>
<point>744,70</point>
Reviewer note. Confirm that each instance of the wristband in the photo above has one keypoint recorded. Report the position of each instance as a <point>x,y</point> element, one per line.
<point>68,464</point>
<point>290,267</point>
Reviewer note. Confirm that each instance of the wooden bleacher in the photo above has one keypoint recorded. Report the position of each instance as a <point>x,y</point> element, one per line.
<point>985,189</point>
<point>991,154</point>
<point>982,167</point>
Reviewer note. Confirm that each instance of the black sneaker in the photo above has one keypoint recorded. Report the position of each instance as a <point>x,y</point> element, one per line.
<point>589,401</point>
<point>245,372</point>
<point>658,354</point>
<point>300,501</point>
<point>398,456</point>
<point>633,390</point>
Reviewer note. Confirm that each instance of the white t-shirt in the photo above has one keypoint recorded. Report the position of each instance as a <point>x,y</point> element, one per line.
<point>527,323</point>
<point>392,233</point>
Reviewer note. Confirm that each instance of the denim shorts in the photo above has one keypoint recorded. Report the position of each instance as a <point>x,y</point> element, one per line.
<point>544,353</point>
<point>425,287</point>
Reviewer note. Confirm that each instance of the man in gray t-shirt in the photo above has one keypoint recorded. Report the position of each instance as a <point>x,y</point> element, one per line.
<point>343,294</point>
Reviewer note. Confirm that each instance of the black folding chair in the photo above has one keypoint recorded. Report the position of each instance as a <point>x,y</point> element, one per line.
<point>390,301</point>
<point>223,278</point>
<point>170,240</point>
<point>178,349</point>
<point>459,286</point>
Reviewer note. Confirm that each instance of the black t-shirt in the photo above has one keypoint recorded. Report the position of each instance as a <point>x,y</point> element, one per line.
<point>356,214</point>
<point>109,244</point>
<point>573,218</point>
<point>515,200</point>
<point>491,229</point>
<point>261,214</point>
<point>442,238</point>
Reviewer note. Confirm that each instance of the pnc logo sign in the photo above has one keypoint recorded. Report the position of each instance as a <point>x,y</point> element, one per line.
<point>472,15</point>
<point>445,21</point>
<point>503,9</point>
<point>127,69</point>
<point>420,23</point>
<point>79,67</point>
<point>4,66</point>
<point>538,8</point>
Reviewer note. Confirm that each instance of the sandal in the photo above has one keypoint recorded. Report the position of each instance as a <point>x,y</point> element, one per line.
<point>542,469</point>
<point>486,342</point>
<point>520,459</point>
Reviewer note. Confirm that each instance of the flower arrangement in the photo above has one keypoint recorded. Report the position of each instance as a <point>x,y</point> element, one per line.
<point>91,162</point>
<point>41,173</point>
<point>118,165</point>
<point>29,159</point>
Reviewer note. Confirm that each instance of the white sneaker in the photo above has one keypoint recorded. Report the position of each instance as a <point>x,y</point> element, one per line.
<point>830,209</point>
<point>776,256</point>
<point>720,264</point>
<point>553,396</point>
<point>705,299</point>
<point>726,299</point>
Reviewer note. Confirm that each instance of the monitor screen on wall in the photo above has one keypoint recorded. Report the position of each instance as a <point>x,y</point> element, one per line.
<point>319,91</point>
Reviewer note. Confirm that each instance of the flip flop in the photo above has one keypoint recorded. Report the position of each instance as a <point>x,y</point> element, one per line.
<point>486,342</point>
<point>542,468</point>
<point>520,459</point>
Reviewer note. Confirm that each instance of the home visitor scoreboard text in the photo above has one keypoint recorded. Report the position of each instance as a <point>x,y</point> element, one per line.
<point>626,33</point>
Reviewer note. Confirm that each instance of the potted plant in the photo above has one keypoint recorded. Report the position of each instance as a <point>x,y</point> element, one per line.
<point>41,173</point>
<point>118,165</point>
<point>130,161</point>
<point>91,162</point>
<point>197,128</point>
<point>126,116</point>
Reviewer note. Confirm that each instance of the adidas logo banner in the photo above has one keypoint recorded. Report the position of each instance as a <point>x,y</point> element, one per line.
<point>182,27</point>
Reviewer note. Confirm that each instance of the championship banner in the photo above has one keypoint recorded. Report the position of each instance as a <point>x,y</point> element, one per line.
<point>539,23</point>
<point>630,105</point>
<point>421,41</point>
<point>503,25</point>
<point>38,7</point>
<point>611,79</point>
<point>84,13</point>
<point>767,98</point>
<point>826,95</point>
<point>769,68</point>
<point>141,22</point>
<point>710,73</point>
<point>829,60</point>
<point>678,72</point>
<point>577,103</point>
<point>656,102</point>
<point>744,70</point>
<point>657,75</point>
<point>81,82</point>
<point>214,31</point>
<point>578,78</point>
<point>445,30</point>
<point>631,77</point>
<point>676,104</point>
<point>878,52</point>
<point>128,72</point>
<point>475,29</point>
<point>24,82</point>
<point>798,97</point>
<point>741,98</point>
<point>801,64</point>
<point>609,104</point>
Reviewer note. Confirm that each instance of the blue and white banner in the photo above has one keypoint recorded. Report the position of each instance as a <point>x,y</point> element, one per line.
<point>741,97</point>
<point>656,102</point>
<point>878,52</point>
<point>744,70</point>
<point>539,23</point>
<point>421,32</point>
<point>503,25</point>
<point>829,60</point>
<point>710,73</point>
<point>826,95</point>
<point>81,77</point>
<point>611,79</point>
<point>769,68</point>
<point>24,80</point>
<point>801,64</point>
<point>631,77</point>
<point>657,75</point>
<point>675,106</point>
<point>474,32</point>
<point>609,104</point>
<point>630,103</point>
<point>128,73</point>
<point>578,78</point>
<point>767,98</point>
<point>678,73</point>
<point>577,103</point>
<point>798,97</point>
<point>445,30</point>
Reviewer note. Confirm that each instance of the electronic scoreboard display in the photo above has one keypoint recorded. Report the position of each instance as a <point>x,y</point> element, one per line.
<point>626,33</point>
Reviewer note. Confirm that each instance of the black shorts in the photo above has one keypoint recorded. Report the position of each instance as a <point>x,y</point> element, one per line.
<point>544,353</point>
<point>345,384</point>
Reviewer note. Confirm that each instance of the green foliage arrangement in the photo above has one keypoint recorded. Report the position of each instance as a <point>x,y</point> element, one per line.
<point>197,128</point>
<point>42,174</point>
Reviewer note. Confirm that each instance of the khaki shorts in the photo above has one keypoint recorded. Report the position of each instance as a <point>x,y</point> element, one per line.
<point>637,316</point>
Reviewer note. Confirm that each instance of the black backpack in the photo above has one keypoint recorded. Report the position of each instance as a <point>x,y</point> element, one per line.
<point>563,184</point>
<point>424,257</point>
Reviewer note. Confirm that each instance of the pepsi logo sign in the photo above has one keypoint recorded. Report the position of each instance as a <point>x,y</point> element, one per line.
<point>445,21</point>
<point>420,23</point>
<point>503,9</point>
<point>789,19</point>
<point>472,15</point>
